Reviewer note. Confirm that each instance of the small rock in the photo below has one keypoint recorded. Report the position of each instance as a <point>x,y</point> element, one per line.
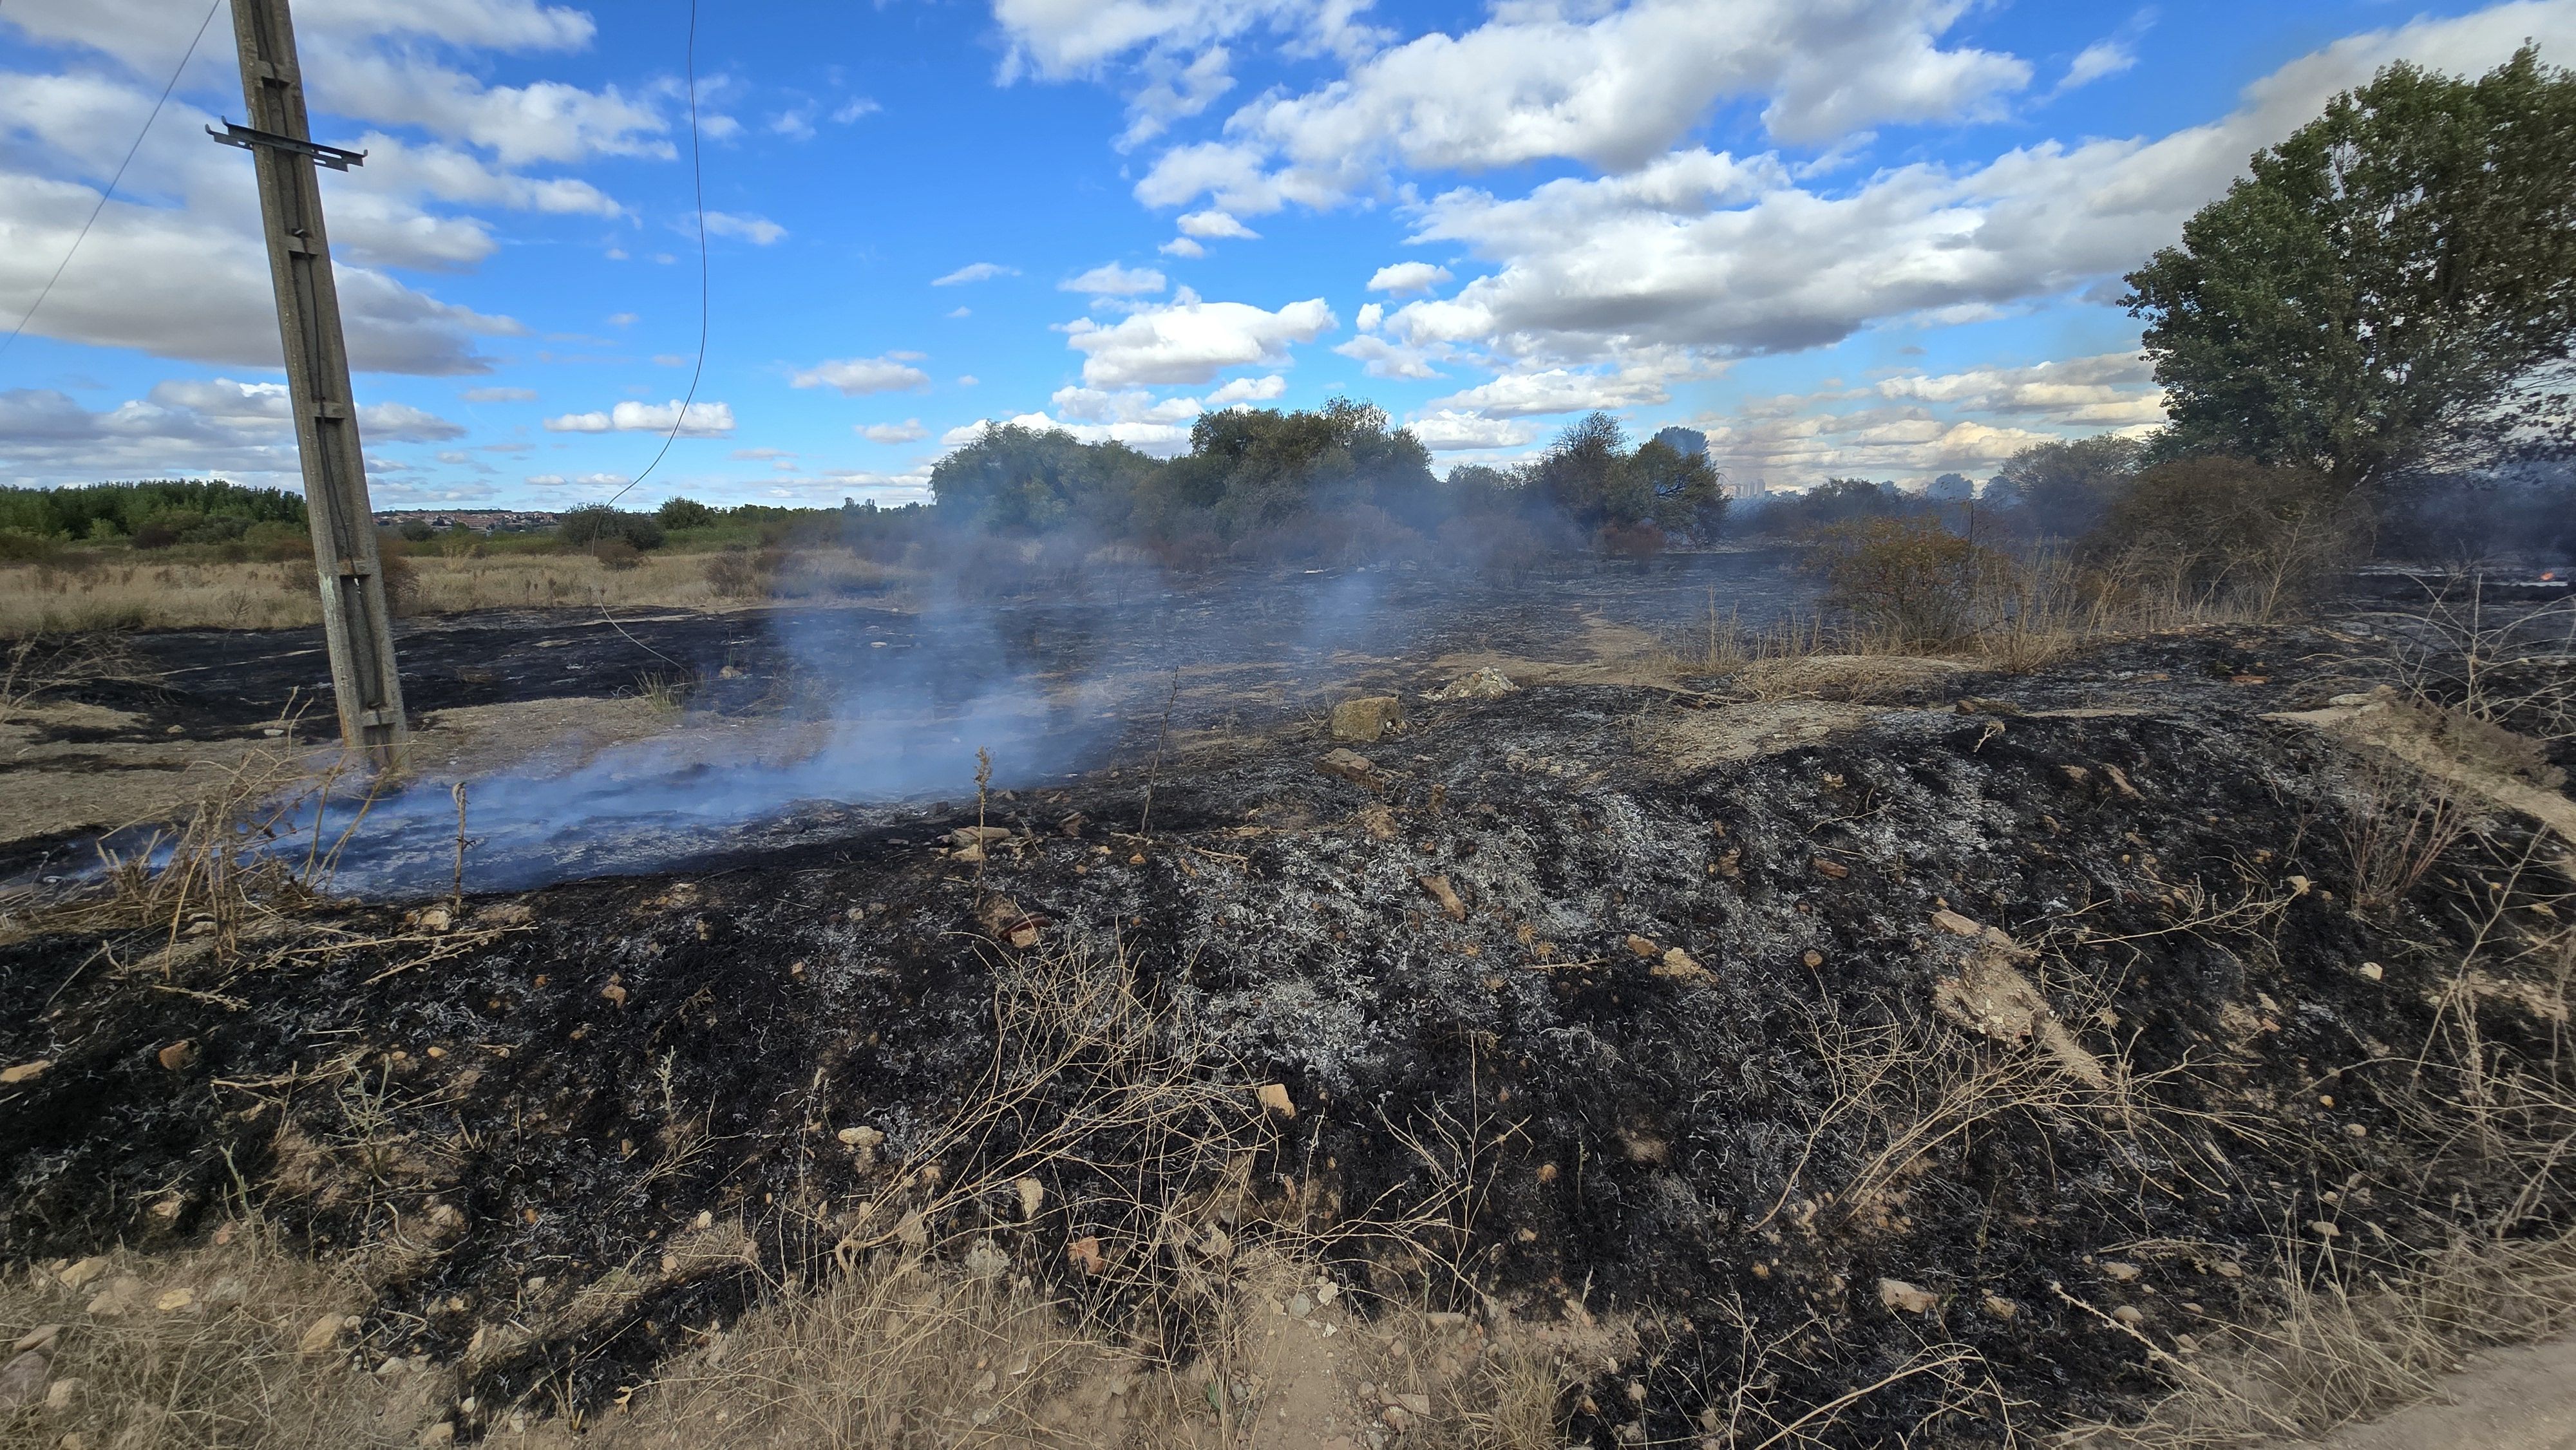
<point>1484,684</point>
<point>320,1337</point>
<point>442,1433</point>
<point>615,992</point>
<point>1300,1307</point>
<point>58,1395</point>
<point>860,1138</point>
<point>178,1056</point>
<point>1395,1418</point>
<point>1644,948</point>
<point>2186,1344</point>
<point>171,1301</point>
<point>2323,1229</point>
<point>1679,966</point>
<point>1957,925</point>
<point>1274,1096</point>
<point>2119,1272</point>
<point>2001,1307</point>
<point>80,1275</point>
<point>1368,719</point>
<point>1032,1194</point>
<point>2371,970</point>
<point>1418,1406</point>
<point>1350,765</point>
<point>1084,1254</point>
<point>40,1337</point>
<point>25,1072</point>
<point>2130,1314</point>
<point>706,1219</point>
<point>436,918</point>
<point>1902,1297</point>
<point>986,1261</point>
<point>965,836</point>
<point>2355,1130</point>
<point>22,1379</point>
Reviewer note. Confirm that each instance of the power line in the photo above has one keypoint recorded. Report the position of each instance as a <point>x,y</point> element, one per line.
<point>698,192</point>
<point>698,195</point>
<point>175,73</point>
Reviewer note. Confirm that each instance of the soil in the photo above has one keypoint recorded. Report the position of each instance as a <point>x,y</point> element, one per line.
<point>2522,1398</point>
<point>1648,998</point>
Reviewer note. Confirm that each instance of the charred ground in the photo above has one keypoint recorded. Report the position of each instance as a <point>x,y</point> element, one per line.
<point>1456,961</point>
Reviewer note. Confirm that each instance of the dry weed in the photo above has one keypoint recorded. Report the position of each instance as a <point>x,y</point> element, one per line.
<point>226,1346</point>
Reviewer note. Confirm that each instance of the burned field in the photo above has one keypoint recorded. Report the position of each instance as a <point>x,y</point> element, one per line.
<point>1949,1064</point>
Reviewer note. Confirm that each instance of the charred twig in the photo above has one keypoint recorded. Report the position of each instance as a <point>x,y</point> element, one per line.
<point>1145,823</point>
<point>456,886</point>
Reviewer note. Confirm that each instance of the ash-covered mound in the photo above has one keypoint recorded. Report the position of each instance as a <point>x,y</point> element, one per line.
<point>1971,1049</point>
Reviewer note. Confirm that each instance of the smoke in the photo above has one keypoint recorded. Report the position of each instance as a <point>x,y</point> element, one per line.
<point>876,719</point>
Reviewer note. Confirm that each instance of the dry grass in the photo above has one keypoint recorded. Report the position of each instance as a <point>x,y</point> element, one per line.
<point>202,1349</point>
<point>2015,620</point>
<point>38,599</point>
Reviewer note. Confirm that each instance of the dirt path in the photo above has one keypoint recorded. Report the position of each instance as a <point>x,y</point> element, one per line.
<point>2508,1399</point>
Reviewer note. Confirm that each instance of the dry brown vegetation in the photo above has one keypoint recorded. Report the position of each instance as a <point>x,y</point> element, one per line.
<point>48,599</point>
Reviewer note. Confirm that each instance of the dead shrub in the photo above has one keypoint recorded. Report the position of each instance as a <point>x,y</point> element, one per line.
<point>2223,531</point>
<point>2397,827</point>
<point>617,554</point>
<point>1632,541</point>
<point>1909,580</point>
<point>740,574</point>
<point>401,581</point>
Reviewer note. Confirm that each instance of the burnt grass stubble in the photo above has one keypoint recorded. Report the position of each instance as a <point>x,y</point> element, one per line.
<point>1276,907</point>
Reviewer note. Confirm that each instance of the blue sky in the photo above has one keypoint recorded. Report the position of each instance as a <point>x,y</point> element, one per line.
<point>1841,236</point>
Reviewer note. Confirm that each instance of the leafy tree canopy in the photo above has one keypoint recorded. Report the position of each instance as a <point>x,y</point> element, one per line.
<point>2067,486</point>
<point>2386,288</point>
<point>1015,479</point>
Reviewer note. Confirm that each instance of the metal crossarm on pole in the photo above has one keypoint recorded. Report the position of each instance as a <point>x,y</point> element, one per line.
<point>357,627</point>
<point>246,138</point>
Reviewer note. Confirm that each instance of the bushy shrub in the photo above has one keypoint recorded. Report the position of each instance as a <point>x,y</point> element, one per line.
<point>1632,540</point>
<point>1911,582</point>
<point>616,554</point>
<point>597,523</point>
<point>2223,530</point>
<point>684,513</point>
<point>740,574</point>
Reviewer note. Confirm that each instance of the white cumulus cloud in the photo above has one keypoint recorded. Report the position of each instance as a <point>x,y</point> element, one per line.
<point>853,377</point>
<point>1112,280</point>
<point>704,420</point>
<point>1405,277</point>
<point>1188,341</point>
<point>907,431</point>
<point>1248,390</point>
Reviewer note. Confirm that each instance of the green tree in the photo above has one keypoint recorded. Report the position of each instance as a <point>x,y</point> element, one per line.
<point>2379,294</point>
<point>684,513</point>
<point>1020,480</point>
<point>1675,490</point>
<point>2062,489</point>
<point>1579,470</point>
<point>1251,469</point>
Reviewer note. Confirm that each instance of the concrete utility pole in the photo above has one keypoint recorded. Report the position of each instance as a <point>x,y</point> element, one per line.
<point>356,625</point>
